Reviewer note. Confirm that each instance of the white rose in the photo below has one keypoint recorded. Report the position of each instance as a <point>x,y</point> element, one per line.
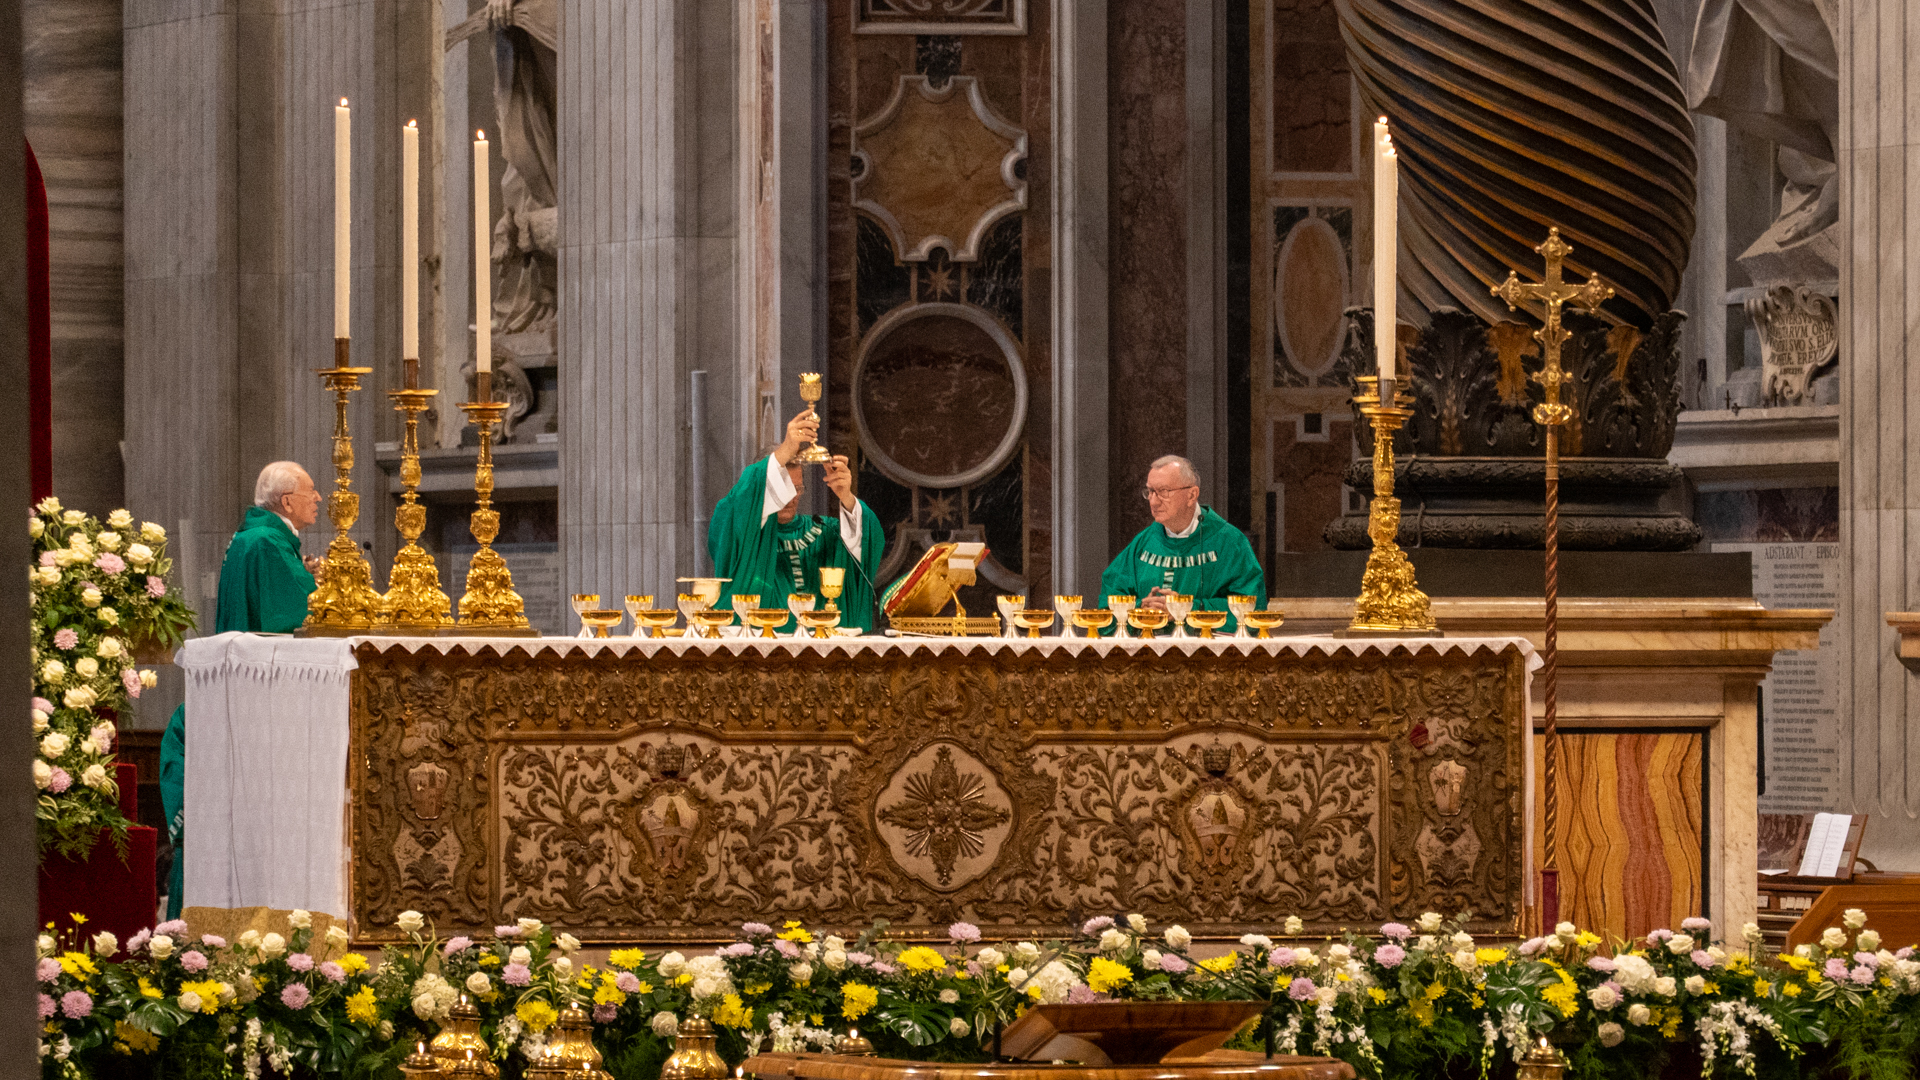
<point>139,554</point>
<point>478,983</point>
<point>337,936</point>
<point>45,944</point>
<point>412,922</point>
<point>800,972</point>
<point>80,697</point>
<point>1603,997</point>
<point>959,1028</point>
<point>811,950</point>
<point>1854,918</point>
<point>567,943</point>
<point>834,942</point>
<point>40,721</point>
<point>73,517</point>
<point>94,776</point>
<point>1025,953</point>
<point>665,1024</point>
<point>1427,943</point>
<point>108,540</point>
<point>1611,1034</point>
<point>1696,984</point>
<point>1665,986</point>
<point>42,774</point>
<point>1638,1014</point>
<point>1326,995</point>
<point>91,597</point>
<point>1304,958</point>
<point>1294,925</point>
<point>1680,944</point>
<point>1803,951</point>
<point>990,958</point>
<point>1112,940</point>
<point>1719,954</point>
<point>86,667</point>
<point>36,527</point>
<point>161,946</point>
<point>110,649</point>
<point>53,671</point>
<point>49,505</point>
<point>1138,923</point>
<point>1463,941</point>
<point>563,966</point>
<point>424,1006</point>
<point>1869,940</point>
<point>300,919</point>
<point>148,678</point>
<point>1150,959</point>
<point>836,959</point>
<point>520,955</point>
<point>1256,941</point>
<point>531,927</point>
<point>1566,931</point>
<point>671,965</point>
<point>273,946</point>
<point>250,940</point>
<point>105,944</point>
<point>1430,922</point>
<point>1338,952</point>
<point>55,744</point>
<point>1834,938</point>
<point>152,533</point>
<point>705,987</point>
<point>109,616</point>
<point>190,1001</point>
<point>1464,960</point>
<point>1177,937</point>
<point>1017,977</point>
<point>120,519</point>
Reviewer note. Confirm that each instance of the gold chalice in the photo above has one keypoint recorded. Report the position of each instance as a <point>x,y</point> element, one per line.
<point>1008,605</point>
<point>600,620</point>
<point>1264,621</point>
<point>820,622</point>
<point>636,603</point>
<point>1238,606</point>
<point>743,603</point>
<point>1066,606</point>
<point>1033,620</point>
<point>1206,621</point>
<point>584,602</point>
<point>810,392</point>
<point>689,603</point>
<point>766,618</point>
<point>1146,620</point>
<point>710,621</point>
<point>1092,620</point>
<point>1122,605</point>
<point>833,581</point>
<point>798,602</point>
<point>1179,605</point>
<point>656,621</point>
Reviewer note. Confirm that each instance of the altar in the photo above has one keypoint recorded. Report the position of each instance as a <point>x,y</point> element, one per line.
<point>667,790</point>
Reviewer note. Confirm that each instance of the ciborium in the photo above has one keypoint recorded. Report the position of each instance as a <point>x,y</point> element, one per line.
<point>1147,620</point>
<point>709,622</point>
<point>1206,621</point>
<point>1092,620</point>
<point>1264,621</point>
<point>810,392</point>
<point>820,622</point>
<point>767,618</point>
<point>601,620</point>
<point>1033,620</point>
<point>655,620</point>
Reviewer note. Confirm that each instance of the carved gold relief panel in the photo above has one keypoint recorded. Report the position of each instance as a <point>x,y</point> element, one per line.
<point>671,797</point>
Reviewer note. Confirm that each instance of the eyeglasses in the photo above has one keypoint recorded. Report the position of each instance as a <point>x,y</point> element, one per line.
<point>1152,493</point>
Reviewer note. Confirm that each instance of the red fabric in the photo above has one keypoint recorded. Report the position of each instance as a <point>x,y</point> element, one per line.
<point>39,336</point>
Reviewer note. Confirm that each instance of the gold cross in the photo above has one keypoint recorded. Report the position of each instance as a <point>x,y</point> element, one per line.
<point>1553,292</point>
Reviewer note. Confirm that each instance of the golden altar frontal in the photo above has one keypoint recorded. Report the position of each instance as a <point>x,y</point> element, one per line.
<point>667,790</point>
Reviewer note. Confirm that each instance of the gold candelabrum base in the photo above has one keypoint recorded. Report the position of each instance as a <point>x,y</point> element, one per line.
<point>489,605</point>
<point>1390,602</point>
<point>415,601</point>
<point>344,600</point>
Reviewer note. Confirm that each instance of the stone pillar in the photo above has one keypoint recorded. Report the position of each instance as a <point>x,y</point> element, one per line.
<point>1879,421</point>
<point>648,131</point>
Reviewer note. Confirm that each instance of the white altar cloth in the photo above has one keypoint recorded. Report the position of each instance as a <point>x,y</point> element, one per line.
<point>267,732</point>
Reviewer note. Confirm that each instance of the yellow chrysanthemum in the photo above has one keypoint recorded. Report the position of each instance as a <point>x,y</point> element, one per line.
<point>490,960</point>
<point>1222,963</point>
<point>1436,991</point>
<point>626,958</point>
<point>353,963</point>
<point>1489,956</point>
<point>921,959</point>
<point>136,1040</point>
<point>758,988</point>
<point>856,999</point>
<point>795,932</point>
<point>1790,989</point>
<point>74,963</point>
<point>733,1013</point>
<point>362,1009</point>
<point>147,989</point>
<point>1563,995</point>
<point>1378,995</point>
<point>1421,1009</point>
<point>537,1015</point>
<point>1104,975</point>
<point>1761,988</point>
<point>1587,939</point>
<point>209,991</point>
<point>609,994</point>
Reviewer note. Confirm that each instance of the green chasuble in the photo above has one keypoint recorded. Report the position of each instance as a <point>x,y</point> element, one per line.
<point>768,559</point>
<point>1212,563</point>
<point>263,587</point>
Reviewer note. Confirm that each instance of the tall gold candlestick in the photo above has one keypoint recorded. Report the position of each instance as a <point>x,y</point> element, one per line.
<point>1390,599</point>
<point>344,600</point>
<point>489,605</point>
<point>415,600</point>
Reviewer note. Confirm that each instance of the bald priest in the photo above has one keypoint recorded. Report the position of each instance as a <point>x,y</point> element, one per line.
<point>1188,549</point>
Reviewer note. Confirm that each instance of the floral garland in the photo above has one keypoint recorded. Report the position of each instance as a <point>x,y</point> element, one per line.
<point>1414,1000</point>
<point>97,590</point>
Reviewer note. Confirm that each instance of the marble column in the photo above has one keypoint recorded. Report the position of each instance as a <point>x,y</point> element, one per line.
<point>649,260</point>
<point>1879,155</point>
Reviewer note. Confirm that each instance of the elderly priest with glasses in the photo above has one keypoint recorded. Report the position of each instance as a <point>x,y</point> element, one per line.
<point>1188,549</point>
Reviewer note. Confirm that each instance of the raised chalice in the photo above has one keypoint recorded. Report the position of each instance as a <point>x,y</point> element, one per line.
<point>1092,620</point>
<point>1146,620</point>
<point>1238,606</point>
<point>1066,606</point>
<point>820,622</point>
<point>1033,620</point>
<point>1265,621</point>
<point>1122,605</point>
<point>766,618</point>
<point>1206,621</point>
<point>810,392</point>
<point>1008,605</point>
<point>582,603</point>
<point>1179,606</point>
<point>833,580</point>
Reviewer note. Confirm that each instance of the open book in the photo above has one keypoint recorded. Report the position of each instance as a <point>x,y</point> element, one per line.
<point>1810,845</point>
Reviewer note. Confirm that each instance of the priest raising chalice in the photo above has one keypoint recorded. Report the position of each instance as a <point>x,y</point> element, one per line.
<point>760,540</point>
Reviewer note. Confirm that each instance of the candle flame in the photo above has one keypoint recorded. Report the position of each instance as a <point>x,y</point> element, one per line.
<point>413,123</point>
<point>1383,118</point>
<point>343,103</point>
<point>479,136</point>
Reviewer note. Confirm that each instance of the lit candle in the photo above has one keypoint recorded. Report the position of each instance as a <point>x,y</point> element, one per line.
<point>482,261</point>
<point>1386,248</point>
<point>410,243</point>
<point>342,214</point>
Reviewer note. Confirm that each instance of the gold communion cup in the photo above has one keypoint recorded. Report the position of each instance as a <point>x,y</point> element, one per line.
<point>1008,605</point>
<point>1264,621</point>
<point>833,580</point>
<point>655,620</point>
<point>1033,620</point>
<point>584,602</point>
<point>709,622</point>
<point>1206,621</point>
<point>743,603</point>
<point>1239,606</point>
<point>1066,606</point>
<point>1092,620</point>
<point>600,620</point>
<point>766,618</point>
<point>1122,605</point>
<point>1146,620</point>
<point>820,622</point>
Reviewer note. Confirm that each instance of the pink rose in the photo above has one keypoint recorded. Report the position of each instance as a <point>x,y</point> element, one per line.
<point>65,637</point>
<point>111,563</point>
<point>46,558</point>
<point>43,705</point>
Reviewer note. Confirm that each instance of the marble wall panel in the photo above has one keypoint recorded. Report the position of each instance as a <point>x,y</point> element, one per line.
<point>1313,121</point>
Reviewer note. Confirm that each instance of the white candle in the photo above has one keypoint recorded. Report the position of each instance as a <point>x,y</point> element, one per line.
<point>482,261</point>
<point>1386,248</point>
<point>410,241</point>
<point>342,215</point>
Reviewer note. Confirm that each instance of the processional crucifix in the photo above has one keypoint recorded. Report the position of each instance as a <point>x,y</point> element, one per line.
<point>1551,293</point>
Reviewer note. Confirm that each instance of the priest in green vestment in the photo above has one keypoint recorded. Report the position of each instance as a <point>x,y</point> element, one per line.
<point>263,588</point>
<point>760,540</point>
<point>1188,549</point>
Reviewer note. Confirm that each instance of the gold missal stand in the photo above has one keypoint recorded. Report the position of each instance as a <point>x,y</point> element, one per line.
<point>343,600</point>
<point>489,606</point>
<point>913,604</point>
<point>415,600</point>
<point>1390,603</point>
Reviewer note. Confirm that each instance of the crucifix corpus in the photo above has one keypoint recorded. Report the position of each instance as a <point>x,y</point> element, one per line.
<point>1551,294</point>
